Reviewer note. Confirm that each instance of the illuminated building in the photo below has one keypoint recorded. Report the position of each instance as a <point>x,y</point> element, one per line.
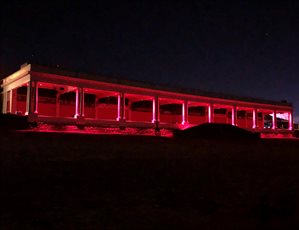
<point>52,95</point>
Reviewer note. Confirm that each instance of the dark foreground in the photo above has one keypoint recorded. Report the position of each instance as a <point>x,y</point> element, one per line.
<point>64,181</point>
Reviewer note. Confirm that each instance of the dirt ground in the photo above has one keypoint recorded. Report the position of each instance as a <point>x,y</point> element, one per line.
<point>72,181</point>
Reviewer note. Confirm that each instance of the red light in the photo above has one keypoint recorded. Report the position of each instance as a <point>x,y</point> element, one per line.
<point>98,130</point>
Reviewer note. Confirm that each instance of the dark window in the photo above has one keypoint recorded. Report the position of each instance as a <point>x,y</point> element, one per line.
<point>68,98</point>
<point>241,114</point>
<point>108,100</point>
<point>142,105</point>
<point>47,93</point>
<point>171,108</point>
<point>89,100</point>
<point>197,110</point>
<point>22,90</point>
<point>220,111</point>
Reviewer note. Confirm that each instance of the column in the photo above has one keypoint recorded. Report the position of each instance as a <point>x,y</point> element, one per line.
<point>263,120</point>
<point>10,101</point>
<point>290,115</point>
<point>33,103</point>
<point>210,113</point>
<point>156,110</point>
<point>185,113</point>
<point>77,112</point>
<point>81,102</point>
<point>254,119</point>
<point>118,107</point>
<point>4,105</point>
<point>121,106</point>
<point>274,120</point>
<point>234,115</point>
<point>36,98</point>
<point>28,98</point>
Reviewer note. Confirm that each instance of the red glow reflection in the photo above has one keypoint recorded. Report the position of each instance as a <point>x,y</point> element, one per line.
<point>277,135</point>
<point>99,130</point>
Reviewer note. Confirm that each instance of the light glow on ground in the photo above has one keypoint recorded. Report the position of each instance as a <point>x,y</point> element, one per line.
<point>99,130</point>
<point>128,131</point>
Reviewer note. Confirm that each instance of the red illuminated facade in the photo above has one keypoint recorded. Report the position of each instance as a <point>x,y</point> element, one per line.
<point>51,95</point>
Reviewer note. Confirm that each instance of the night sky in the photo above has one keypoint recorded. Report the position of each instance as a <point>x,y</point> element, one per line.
<point>247,48</point>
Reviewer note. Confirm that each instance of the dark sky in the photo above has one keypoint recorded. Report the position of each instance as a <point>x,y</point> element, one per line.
<point>248,48</point>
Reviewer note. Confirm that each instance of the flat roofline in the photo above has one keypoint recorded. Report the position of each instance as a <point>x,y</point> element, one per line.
<point>148,85</point>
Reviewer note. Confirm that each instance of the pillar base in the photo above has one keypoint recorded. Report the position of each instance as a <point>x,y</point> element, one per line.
<point>156,124</point>
<point>157,132</point>
<point>122,124</point>
<point>119,119</point>
<point>185,123</point>
<point>80,120</point>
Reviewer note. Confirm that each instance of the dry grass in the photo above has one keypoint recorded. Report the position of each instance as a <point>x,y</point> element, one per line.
<point>67,181</point>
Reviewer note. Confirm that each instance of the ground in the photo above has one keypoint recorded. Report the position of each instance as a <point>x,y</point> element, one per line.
<point>80,181</point>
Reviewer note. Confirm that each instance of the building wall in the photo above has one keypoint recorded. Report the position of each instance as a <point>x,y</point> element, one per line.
<point>219,118</point>
<point>106,112</point>
<point>67,110</point>
<point>171,118</point>
<point>197,119</point>
<point>47,109</point>
<point>89,112</point>
<point>109,112</point>
<point>141,116</point>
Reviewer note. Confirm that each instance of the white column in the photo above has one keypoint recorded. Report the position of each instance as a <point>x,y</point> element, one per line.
<point>28,98</point>
<point>211,113</point>
<point>81,102</point>
<point>118,107</point>
<point>185,113</point>
<point>254,118</point>
<point>156,110</point>
<point>33,99</point>
<point>10,101</point>
<point>77,112</point>
<point>274,120</point>
<point>123,107</point>
<point>36,98</point>
<point>290,121</point>
<point>4,105</point>
<point>234,115</point>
